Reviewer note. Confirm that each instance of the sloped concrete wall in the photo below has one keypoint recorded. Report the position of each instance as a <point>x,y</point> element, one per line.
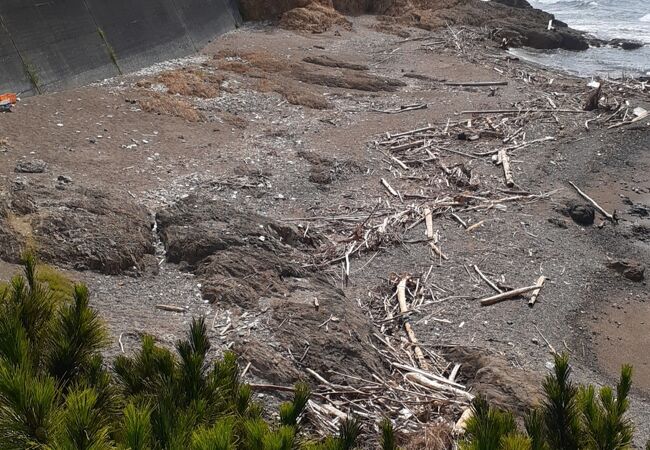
<point>54,44</point>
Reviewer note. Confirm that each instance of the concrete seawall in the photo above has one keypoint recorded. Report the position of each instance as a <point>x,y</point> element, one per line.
<point>55,44</point>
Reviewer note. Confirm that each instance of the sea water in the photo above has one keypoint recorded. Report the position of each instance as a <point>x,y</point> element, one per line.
<point>605,19</point>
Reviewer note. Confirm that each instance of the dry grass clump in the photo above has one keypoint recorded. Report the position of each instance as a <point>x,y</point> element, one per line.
<point>191,82</point>
<point>168,105</point>
<point>293,93</point>
<point>437,436</point>
<point>252,64</point>
<point>314,18</point>
<point>297,95</point>
<point>350,79</point>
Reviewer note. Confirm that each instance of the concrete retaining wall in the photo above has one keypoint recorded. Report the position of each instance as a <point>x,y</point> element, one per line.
<point>48,45</point>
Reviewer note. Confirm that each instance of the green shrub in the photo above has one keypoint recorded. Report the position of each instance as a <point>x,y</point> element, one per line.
<point>571,417</point>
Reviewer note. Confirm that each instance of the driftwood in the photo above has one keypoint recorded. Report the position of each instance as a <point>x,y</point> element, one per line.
<point>402,109</point>
<point>476,83</point>
<point>172,308</point>
<point>522,111</point>
<point>535,294</point>
<point>437,378</point>
<point>401,298</point>
<point>389,188</point>
<point>609,216</point>
<point>508,295</point>
<point>428,218</point>
<point>425,381</point>
<point>507,170</point>
<point>461,424</point>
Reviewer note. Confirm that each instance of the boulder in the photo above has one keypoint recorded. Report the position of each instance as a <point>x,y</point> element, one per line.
<point>626,44</point>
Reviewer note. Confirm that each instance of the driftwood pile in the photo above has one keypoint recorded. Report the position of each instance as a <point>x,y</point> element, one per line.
<point>431,174</point>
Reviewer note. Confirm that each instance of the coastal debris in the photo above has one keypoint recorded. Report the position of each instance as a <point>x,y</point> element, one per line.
<point>507,170</point>
<point>171,308</point>
<point>476,83</point>
<point>487,280</point>
<point>535,294</point>
<point>401,298</point>
<point>403,108</point>
<point>7,101</point>
<point>389,188</point>
<point>508,295</point>
<point>607,215</point>
<point>522,111</point>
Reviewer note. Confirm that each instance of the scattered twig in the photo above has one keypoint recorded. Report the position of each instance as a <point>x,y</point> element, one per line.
<point>609,216</point>
<point>172,308</point>
<point>535,294</point>
<point>487,280</point>
<point>507,295</point>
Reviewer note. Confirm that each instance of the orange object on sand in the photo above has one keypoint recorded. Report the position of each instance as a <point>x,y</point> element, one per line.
<point>8,98</point>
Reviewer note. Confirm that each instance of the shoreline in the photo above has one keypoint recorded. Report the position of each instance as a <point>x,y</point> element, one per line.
<point>257,150</point>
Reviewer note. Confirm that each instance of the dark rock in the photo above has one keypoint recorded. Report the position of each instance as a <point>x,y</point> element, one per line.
<point>548,40</point>
<point>626,44</point>
<point>582,214</point>
<point>32,166</point>
<point>64,179</point>
<point>515,3</point>
<point>639,210</point>
<point>631,270</point>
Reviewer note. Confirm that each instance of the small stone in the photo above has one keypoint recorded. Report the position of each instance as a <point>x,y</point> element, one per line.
<point>19,184</point>
<point>32,166</point>
<point>535,341</point>
<point>582,214</point>
<point>64,179</point>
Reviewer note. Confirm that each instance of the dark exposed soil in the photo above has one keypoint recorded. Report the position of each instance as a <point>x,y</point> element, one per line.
<point>256,266</point>
<point>76,227</point>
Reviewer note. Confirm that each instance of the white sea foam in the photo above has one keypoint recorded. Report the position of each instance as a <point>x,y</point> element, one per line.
<point>645,18</point>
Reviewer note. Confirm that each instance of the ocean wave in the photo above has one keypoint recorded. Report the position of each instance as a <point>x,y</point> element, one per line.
<point>569,3</point>
<point>645,18</point>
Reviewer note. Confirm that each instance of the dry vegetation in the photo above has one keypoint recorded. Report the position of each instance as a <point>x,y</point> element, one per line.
<point>191,82</point>
<point>437,436</point>
<point>276,75</point>
<point>169,105</point>
<point>314,18</point>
